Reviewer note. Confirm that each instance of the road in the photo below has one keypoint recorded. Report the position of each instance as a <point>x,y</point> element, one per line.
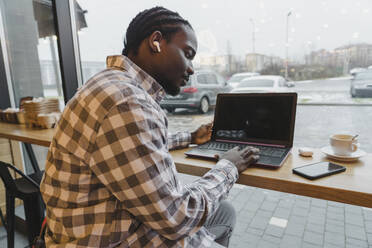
<point>327,91</point>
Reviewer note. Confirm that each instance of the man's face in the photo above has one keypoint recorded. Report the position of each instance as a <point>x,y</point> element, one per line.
<point>173,64</point>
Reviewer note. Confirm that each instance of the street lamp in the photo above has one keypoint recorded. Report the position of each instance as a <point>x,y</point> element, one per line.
<point>286,46</point>
<point>253,38</point>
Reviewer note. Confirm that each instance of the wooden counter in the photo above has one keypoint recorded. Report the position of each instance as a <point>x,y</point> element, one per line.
<point>354,186</point>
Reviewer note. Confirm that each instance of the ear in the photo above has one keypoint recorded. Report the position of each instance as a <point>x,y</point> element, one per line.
<point>154,41</point>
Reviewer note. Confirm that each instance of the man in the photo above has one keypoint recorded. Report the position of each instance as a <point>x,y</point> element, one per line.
<point>110,180</point>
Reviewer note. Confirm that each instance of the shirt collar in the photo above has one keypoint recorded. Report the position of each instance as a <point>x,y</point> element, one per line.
<point>148,83</point>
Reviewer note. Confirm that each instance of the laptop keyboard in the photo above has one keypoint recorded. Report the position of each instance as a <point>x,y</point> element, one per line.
<point>264,150</point>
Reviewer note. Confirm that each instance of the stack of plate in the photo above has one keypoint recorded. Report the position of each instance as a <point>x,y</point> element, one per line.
<point>42,107</point>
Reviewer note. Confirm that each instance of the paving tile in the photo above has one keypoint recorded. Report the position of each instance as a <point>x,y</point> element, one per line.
<point>316,209</point>
<point>355,219</point>
<point>274,231</point>
<point>240,228</point>
<point>295,229</point>
<point>250,240</point>
<point>302,204</point>
<point>356,232</point>
<point>266,244</point>
<point>268,206</point>
<point>368,225</point>
<point>281,212</point>
<point>328,245</point>
<point>369,238</point>
<point>316,219</point>
<point>338,210</point>
<point>335,216</point>
<point>353,209</point>
<point>318,203</point>
<point>258,232</point>
<point>297,219</point>
<point>334,238</point>
<point>264,213</point>
<point>300,211</point>
<point>367,212</point>
<point>286,203</point>
<point>335,227</point>
<point>252,206</point>
<point>272,239</point>
<point>257,197</point>
<point>313,238</point>
<point>356,242</point>
<point>312,227</point>
<point>308,245</point>
<point>290,241</point>
<point>259,222</point>
<point>335,204</point>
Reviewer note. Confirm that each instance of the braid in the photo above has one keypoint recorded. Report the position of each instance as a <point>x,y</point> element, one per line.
<point>148,21</point>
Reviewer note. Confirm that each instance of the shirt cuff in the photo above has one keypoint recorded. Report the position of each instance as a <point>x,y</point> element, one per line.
<point>228,168</point>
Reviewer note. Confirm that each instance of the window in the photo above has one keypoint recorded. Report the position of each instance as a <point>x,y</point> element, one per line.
<point>202,79</point>
<point>318,45</point>
<point>31,46</point>
<point>211,78</point>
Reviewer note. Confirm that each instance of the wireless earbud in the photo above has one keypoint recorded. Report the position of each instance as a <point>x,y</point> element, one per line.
<point>156,43</point>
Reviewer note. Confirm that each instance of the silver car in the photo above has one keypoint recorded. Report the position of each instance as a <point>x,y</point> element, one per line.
<point>199,93</point>
<point>271,83</point>
<point>361,84</point>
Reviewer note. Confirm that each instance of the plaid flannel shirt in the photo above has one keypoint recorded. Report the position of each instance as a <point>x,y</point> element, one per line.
<point>110,180</point>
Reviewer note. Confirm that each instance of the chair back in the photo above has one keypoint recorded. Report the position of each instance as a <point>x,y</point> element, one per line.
<point>8,179</point>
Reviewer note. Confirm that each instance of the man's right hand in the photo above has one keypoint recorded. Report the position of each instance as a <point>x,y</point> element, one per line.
<point>242,159</point>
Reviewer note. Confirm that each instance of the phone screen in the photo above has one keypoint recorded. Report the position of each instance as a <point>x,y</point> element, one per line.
<point>317,170</point>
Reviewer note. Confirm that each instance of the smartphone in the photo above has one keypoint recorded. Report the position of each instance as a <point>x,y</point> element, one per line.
<point>318,170</point>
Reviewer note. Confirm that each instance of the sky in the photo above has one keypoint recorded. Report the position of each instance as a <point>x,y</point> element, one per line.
<point>219,24</point>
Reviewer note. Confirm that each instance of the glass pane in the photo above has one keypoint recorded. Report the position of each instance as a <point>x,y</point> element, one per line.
<point>31,45</point>
<point>32,48</point>
<point>318,46</point>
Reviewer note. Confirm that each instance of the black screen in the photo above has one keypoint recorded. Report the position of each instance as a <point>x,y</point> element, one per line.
<point>264,118</point>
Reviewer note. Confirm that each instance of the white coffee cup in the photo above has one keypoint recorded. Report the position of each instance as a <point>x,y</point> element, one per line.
<point>343,144</point>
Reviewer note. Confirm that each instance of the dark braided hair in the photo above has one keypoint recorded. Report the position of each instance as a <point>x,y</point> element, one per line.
<point>148,21</point>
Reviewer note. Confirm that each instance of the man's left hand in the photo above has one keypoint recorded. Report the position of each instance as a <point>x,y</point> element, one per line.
<point>202,134</point>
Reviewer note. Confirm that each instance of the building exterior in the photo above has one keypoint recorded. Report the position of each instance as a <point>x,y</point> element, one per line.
<point>256,62</point>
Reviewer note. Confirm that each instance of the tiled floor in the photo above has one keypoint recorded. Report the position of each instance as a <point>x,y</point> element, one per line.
<point>273,219</point>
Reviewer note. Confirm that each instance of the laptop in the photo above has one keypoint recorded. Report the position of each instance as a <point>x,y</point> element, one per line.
<point>262,120</point>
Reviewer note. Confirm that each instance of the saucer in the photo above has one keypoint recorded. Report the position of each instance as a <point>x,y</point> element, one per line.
<point>352,157</point>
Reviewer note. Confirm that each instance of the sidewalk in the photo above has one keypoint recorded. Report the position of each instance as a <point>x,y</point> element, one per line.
<point>269,218</point>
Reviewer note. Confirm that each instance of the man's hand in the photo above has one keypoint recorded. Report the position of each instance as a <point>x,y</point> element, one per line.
<point>202,134</point>
<point>242,159</point>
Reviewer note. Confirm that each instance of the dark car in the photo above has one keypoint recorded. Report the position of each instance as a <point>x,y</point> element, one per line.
<point>199,93</point>
<point>361,84</point>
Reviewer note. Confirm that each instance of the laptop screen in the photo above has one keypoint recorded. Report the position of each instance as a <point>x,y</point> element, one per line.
<point>255,118</point>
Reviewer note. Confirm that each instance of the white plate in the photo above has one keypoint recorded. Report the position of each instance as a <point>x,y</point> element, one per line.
<point>352,157</point>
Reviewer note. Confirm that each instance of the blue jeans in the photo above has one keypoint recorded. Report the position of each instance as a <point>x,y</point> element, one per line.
<point>222,224</point>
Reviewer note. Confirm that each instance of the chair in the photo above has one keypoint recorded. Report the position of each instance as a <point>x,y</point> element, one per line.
<point>27,189</point>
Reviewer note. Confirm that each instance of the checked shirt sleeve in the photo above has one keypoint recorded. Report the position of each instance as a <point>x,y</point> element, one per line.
<point>131,158</point>
<point>179,140</point>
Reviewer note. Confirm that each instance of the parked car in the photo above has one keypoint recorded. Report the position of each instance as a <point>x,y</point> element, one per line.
<point>263,84</point>
<point>199,93</point>
<point>357,70</point>
<point>361,84</point>
<point>238,77</point>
